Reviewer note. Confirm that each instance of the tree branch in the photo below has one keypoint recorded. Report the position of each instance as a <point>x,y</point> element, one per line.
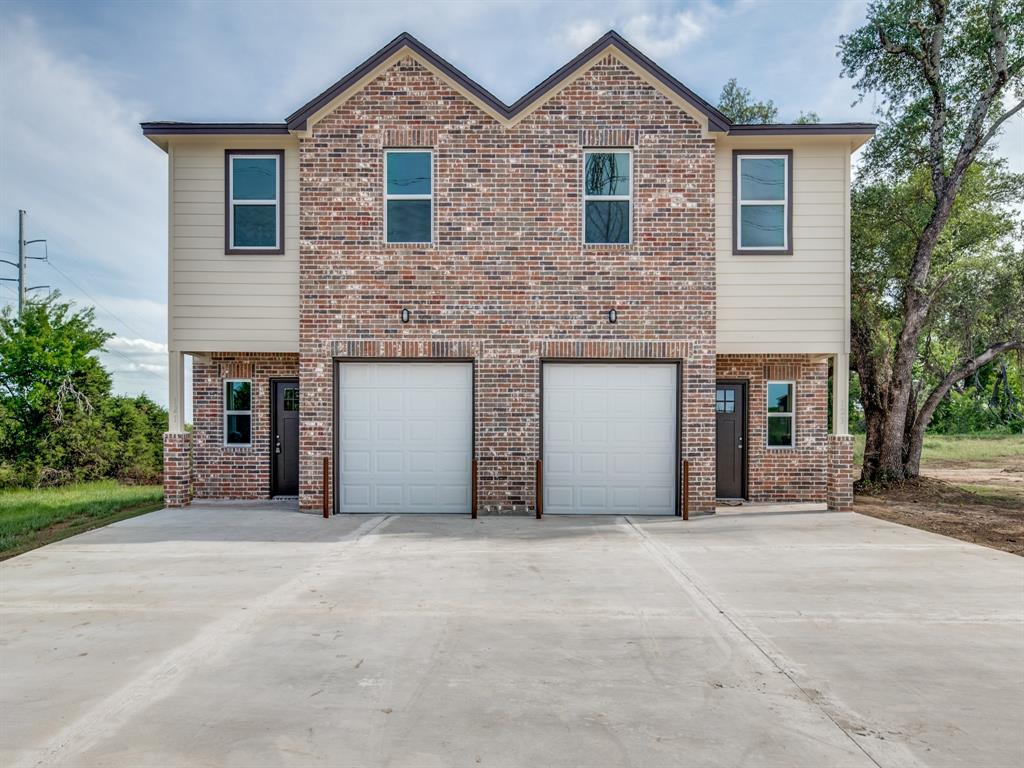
<point>1001,72</point>
<point>1002,119</point>
<point>959,374</point>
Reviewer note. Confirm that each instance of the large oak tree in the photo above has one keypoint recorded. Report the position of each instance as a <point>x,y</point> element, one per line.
<point>949,74</point>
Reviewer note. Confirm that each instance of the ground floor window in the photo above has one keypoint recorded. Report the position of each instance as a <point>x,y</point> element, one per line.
<point>781,414</point>
<point>238,412</point>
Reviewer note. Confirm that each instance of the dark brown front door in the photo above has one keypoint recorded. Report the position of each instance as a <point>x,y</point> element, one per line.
<point>285,439</point>
<point>730,436</point>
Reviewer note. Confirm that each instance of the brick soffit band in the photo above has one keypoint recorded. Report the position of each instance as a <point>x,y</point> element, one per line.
<point>298,120</point>
<point>609,349</point>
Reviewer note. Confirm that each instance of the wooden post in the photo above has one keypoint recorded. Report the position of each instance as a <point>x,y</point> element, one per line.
<point>327,487</point>
<point>686,489</point>
<point>540,490</point>
<point>472,493</point>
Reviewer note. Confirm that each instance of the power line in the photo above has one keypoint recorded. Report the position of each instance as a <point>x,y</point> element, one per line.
<point>95,301</point>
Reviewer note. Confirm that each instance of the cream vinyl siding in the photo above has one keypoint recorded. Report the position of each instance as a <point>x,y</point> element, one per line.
<point>797,303</point>
<point>221,303</point>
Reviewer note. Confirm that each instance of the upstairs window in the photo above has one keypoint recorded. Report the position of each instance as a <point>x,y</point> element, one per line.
<point>607,197</point>
<point>255,195</point>
<point>763,198</point>
<point>408,195</point>
<point>238,412</point>
<point>781,414</point>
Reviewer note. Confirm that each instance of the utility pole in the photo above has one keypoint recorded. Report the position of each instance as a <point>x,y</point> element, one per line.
<point>22,264</point>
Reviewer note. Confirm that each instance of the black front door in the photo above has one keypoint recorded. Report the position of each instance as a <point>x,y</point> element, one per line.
<point>730,436</point>
<point>285,439</point>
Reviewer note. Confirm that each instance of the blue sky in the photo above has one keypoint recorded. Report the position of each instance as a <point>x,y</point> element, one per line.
<point>77,77</point>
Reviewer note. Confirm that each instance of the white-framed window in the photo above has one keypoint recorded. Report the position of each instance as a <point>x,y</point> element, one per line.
<point>254,197</point>
<point>781,414</point>
<point>607,196</point>
<point>408,195</point>
<point>238,412</point>
<point>763,198</point>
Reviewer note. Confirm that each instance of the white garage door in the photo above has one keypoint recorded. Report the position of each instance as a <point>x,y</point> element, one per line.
<point>406,437</point>
<point>610,438</point>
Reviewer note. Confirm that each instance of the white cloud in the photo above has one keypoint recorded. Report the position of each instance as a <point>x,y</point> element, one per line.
<point>579,34</point>
<point>123,344</point>
<point>663,35</point>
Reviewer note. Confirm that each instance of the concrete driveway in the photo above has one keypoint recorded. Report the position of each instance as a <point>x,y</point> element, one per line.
<point>253,636</point>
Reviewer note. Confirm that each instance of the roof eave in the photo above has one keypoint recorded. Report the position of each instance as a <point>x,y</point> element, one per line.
<point>173,128</point>
<point>804,129</point>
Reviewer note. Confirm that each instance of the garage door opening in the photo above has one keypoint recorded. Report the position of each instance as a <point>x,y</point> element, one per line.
<point>610,435</point>
<point>405,437</point>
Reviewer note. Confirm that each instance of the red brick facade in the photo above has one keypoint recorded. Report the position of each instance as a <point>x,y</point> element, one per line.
<point>177,468</point>
<point>233,472</point>
<point>840,473</point>
<point>507,272</point>
<point>784,474</point>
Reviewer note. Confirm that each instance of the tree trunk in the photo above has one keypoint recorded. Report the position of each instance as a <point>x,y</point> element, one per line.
<point>874,394</point>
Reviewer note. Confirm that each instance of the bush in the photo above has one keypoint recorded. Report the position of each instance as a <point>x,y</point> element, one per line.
<point>59,422</point>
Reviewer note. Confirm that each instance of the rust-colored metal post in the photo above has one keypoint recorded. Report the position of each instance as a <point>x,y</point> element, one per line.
<point>686,489</point>
<point>327,488</point>
<point>540,489</point>
<point>473,492</point>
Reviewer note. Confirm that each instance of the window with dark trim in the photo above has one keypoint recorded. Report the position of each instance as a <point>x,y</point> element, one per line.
<point>238,412</point>
<point>254,201</point>
<point>607,196</point>
<point>408,195</point>
<point>762,202</point>
<point>781,414</point>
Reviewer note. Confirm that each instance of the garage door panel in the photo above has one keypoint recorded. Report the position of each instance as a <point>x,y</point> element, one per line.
<point>592,432</point>
<point>355,429</point>
<point>389,401</point>
<point>388,495</point>
<point>406,437</point>
<point>626,497</point>
<point>614,450</point>
<point>355,461</point>
<point>592,463</point>
<point>451,462</point>
<point>593,496</point>
<point>556,462</point>
<point>422,431</point>
<point>388,461</point>
<point>558,496</point>
<point>558,431</point>
<point>560,402</point>
<point>356,496</point>
<point>355,401</point>
<point>626,407</point>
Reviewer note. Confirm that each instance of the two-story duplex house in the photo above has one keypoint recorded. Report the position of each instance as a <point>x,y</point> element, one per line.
<point>455,303</point>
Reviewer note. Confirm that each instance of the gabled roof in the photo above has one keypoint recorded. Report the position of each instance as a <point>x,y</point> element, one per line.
<point>299,121</point>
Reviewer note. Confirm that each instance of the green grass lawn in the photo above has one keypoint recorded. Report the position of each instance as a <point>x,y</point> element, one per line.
<point>977,449</point>
<point>30,518</point>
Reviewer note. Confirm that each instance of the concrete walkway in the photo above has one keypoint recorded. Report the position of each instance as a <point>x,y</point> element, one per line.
<point>252,636</point>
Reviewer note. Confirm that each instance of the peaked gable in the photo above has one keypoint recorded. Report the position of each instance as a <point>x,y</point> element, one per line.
<point>405,45</point>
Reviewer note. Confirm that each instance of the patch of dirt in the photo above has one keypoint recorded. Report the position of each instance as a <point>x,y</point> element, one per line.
<point>982,505</point>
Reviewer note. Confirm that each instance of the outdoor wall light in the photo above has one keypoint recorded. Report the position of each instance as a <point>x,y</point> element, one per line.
<point>405,315</point>
<point>613,316</point>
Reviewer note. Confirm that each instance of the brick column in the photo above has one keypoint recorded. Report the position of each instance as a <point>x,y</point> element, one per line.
<point>840,473</point>
<point>177,468</point>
